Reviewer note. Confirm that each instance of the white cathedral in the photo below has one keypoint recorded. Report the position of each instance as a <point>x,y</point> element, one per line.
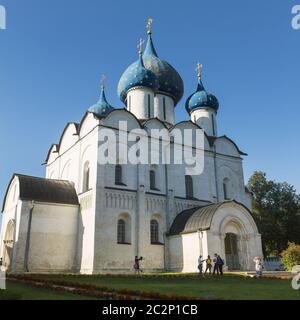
<point>84,217</point>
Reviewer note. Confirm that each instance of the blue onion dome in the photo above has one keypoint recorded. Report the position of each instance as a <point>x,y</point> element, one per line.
<point>102,108</point>
<point>169,80</point>
<point>201,98</point>
<point>136,75</point>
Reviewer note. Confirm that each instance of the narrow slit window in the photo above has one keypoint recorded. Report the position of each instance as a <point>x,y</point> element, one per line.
<point>118,174</point>
<point>213,124</point>
<point>149,104</point>
<point>86,177</point>
<point>152,180</point>
<point>189,187</point>
<point>164,108</point>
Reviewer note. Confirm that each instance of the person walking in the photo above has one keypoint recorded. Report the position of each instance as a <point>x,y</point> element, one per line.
<point>208,265</point>
<point>136,265</point>
<point>200,265</point>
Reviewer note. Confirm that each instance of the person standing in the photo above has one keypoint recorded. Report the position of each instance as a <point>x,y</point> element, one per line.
<point>200,265</point>
<point>208,264</point>
<point>136,265</point>
<point>258,267</point>
<point>220,264</point>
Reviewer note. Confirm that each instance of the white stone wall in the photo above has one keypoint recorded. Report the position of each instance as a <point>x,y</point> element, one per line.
<point>184,251</point>
<point>159,113</point>
<point>206,119</point>
<point>161,106</point>
<point>101,206</point>
<point>53,237</point>
<point>137,102</point>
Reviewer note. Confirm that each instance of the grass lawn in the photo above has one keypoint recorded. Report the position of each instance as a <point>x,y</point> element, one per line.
<point>226,287</point>
<point>20,291</point>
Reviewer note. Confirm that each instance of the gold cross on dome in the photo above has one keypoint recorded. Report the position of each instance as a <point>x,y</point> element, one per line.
<point>103,77</point>
<point>199,68</point>
<point>140,46</point>
<point>149,25</point>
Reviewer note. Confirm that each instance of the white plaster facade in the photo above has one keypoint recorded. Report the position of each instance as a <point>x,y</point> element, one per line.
<point>84,238</point>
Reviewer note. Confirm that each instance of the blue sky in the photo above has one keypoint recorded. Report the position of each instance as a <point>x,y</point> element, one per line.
<point>53,54</point>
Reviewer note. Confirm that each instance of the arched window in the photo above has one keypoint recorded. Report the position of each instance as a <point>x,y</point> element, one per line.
<point>118,174</point>
<point>154,231</point>
<point>189,187</point>
<point>164,108</point>
<point>86,177</point>
<point>225,189</point>
<point>121,231</point>
<point>152,180</point>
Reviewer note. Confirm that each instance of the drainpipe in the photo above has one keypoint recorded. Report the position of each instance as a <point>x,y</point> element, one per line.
<point>27,245</point>
<point>137,211</point>
<point>166,240</point>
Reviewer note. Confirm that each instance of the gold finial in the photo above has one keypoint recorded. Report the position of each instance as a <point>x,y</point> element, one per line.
<point>103,77</point>
<point>149,25</point>
<point>199,68</point>
<point>140,46</point>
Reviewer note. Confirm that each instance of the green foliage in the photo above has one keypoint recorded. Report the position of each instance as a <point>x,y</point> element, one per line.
<point>291,256</point>
<point>276,207</point>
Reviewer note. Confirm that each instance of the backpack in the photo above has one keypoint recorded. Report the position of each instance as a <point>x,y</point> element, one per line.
<point>221,262</point>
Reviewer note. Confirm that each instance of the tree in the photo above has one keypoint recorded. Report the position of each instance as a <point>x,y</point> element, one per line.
<point>276,207</point>
<point>291,256</point>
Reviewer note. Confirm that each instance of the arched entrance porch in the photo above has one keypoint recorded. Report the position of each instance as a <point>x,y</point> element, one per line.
<point>235,243</point>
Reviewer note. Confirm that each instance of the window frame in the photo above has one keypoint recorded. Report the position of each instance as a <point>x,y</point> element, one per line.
<point>119,175</point>
<point>152,178</point>
<point>189,187</point>
<point>121,231</point>
<point>154,231</point>
<point>86,177</point>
